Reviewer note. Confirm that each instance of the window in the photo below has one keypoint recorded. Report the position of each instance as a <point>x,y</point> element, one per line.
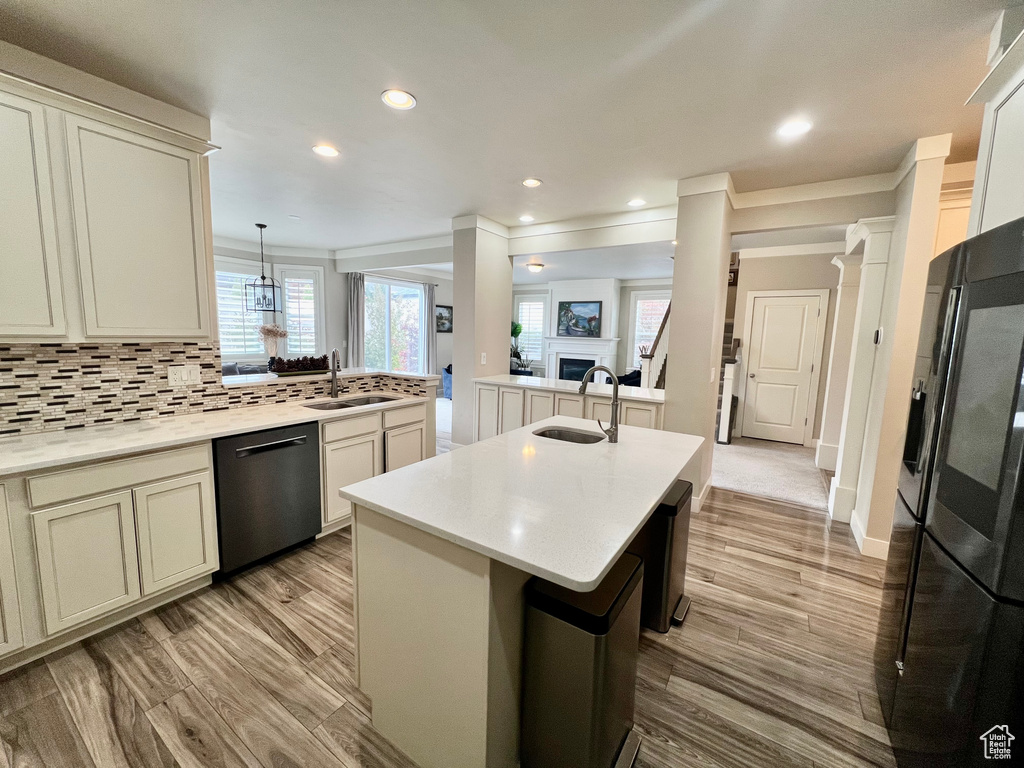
<point>394,320</point>
<point>649,309</point>
<point>238,336</point>
<point>302,295</point>
<point>530,313</point>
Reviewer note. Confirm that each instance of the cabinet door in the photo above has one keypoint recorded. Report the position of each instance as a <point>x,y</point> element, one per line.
<point>86,556</point>
<point>33,303</point>
<point>639,415</point>
<point>510,409</point>
<point>600,408</point>
<point>485,417</point>
<point>140,233</point>
<point>10,617</point>
<point>347,462</point>
<point>539,405</point>
<point>177,528</point>
<point>404,446</point>
<point>569,405</point>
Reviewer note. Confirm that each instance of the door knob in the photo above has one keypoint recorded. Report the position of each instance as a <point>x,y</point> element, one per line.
<point>751,375</point>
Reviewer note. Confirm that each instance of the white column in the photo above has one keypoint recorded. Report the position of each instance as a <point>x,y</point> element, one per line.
<point>482,313</point>
<point>839,360</point>
<point>871,239</point>
<point>699,283</point>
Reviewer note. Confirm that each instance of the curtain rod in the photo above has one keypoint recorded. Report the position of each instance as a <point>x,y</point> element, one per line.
<point>402,279</point>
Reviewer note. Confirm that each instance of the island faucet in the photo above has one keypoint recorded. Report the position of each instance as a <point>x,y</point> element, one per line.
<point>335,365</point>
<point>613,427</point>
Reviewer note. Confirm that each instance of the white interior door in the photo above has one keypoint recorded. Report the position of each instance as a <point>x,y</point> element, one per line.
<point>780,367</point>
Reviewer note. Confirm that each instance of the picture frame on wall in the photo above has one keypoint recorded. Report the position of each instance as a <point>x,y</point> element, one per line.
<point>579,318</point>
<point>443,316</point>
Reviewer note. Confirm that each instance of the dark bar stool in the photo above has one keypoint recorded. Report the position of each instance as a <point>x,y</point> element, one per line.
<point>661,544</point>
<point>579,671</point>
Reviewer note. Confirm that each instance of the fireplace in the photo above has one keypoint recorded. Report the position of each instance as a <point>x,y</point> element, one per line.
<point>572,368</point>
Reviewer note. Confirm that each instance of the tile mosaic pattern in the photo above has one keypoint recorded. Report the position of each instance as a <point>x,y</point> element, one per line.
<point>47,387</point>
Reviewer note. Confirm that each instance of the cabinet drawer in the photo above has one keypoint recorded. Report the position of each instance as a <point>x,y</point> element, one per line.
<point>400,416</point>
<point>95,479</point>
<point>346,428</point>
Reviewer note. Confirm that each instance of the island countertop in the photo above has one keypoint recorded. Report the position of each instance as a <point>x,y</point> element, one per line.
<point>561,511</point>
<point>646,394</point>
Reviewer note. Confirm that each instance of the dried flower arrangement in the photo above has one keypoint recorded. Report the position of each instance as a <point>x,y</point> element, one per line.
<point>302,365</point>
<point>271,336</point>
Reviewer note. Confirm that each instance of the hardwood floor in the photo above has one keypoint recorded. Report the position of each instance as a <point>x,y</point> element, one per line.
<point>771,668</point>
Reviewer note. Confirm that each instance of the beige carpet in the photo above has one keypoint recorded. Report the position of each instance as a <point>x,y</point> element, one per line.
<point>773,470</point>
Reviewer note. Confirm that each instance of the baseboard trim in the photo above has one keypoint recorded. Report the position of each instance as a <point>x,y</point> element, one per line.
<point>841,502</point>
<point>868,547</point>
<point>825,456</point>
<point>702,497</point>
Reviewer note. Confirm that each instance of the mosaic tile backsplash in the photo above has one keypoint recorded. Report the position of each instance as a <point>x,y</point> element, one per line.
<point>47,387</point>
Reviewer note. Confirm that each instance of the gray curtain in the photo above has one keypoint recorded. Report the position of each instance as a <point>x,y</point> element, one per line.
<point>430,364</point>
<point>356,318</point>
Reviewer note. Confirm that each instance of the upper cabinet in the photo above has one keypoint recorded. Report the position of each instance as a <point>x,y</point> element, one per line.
<point>139,233</point>
<point>33,305</point>
<point>104,230</point>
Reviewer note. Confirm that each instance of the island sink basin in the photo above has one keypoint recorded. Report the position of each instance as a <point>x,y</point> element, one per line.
<point>569,435</point>
<point>335,405</point>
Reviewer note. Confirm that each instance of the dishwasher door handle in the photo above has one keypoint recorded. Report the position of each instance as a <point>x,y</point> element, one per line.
<point>251,449</point>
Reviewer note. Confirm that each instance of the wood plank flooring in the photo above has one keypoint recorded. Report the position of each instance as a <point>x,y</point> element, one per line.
<point>772,667</point>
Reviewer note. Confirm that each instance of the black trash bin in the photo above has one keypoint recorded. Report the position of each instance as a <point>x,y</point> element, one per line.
<point>661,544</point>
<point>579,670</point>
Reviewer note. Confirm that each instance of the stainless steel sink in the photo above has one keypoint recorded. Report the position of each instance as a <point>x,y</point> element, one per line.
<point>353,402</point>
<point>569,435</point>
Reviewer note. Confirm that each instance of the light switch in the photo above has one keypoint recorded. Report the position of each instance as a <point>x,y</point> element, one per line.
<point>193,375</point>
<point>483,358</point>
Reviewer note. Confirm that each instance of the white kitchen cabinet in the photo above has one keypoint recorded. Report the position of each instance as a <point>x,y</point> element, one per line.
<point>176,522</point>
<point>347,462</point>
<point>631,413</point>
<point>485,415</point>
<point>87,559</point>
<point>569,405</point>
<point>33,302</point>
<point>404,446</point>
<point>510,409</point>
<point>538,405</point>
<point>10,615</point>
<point>140,233</point>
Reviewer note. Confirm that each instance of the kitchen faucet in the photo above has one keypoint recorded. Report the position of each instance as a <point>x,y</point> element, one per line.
<point>335,365</point>
<point>613,426</point>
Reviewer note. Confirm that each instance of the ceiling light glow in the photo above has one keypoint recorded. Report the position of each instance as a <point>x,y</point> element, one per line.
<point>675,242</point>
<point>636,202</point>
<point>793,128</point>
<point>326,150</point>
<point>397,99</point>
<point>535,267</point>
<point>526,218</point>
<point>531,182</point>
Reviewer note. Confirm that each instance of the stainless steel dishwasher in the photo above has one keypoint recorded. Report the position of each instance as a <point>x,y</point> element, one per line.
<point>268,492</point>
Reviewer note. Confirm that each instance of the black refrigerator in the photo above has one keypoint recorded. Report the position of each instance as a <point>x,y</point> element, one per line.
<point>950,649</point>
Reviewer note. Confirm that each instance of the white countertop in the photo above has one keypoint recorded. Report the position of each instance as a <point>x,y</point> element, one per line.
<point>28,453</point>
<point>561,511</point>
<point>561,385</point>
<point>248,380</point>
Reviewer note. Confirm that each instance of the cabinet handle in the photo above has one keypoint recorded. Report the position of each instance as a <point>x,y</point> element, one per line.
<point>251,449</point>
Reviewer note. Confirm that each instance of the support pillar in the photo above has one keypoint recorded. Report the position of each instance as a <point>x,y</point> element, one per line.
<point>483,312</point>
<point>699,283</point>
<point>827,452</point>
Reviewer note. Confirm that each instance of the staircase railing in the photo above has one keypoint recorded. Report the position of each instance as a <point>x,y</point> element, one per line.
<point>652,362</point>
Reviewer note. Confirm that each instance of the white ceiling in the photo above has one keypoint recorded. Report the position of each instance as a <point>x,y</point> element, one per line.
<point>624,262</point>
<point>604,100</point>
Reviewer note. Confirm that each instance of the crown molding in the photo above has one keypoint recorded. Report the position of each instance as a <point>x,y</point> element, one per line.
<point>400,246</point>
<point>807,249</point>
<point>475,221</point>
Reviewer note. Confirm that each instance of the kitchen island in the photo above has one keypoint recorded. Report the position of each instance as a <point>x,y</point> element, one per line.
<point>442,550</point>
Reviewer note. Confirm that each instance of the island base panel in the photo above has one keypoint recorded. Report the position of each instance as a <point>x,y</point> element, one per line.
<point>439,644</point>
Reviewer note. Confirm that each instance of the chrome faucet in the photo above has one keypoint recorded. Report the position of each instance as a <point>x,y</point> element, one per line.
<point>335,365</point>
<point>613,427</point>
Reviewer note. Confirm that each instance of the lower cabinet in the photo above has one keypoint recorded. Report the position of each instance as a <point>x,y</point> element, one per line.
<point>510,409</point>
<point>347,462</point>
<point>569,405</point>
<point>485,412</point>
<point>11,637</point>
<point>87,558</point>
<point>404,446</point>
<point>176,522</point>
<point>631,413</point>
<point>539,405</point>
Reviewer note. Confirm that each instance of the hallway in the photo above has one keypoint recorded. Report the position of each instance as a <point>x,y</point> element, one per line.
<point>780,471</point>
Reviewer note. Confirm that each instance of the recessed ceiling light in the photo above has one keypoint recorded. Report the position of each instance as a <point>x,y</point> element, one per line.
<point>535,267</point>
<point>397,99</point>
<point>526,218</point>
<point>793,128</point>
<point>325,150</point>
<point>532,182</point>
<point>636,202</point>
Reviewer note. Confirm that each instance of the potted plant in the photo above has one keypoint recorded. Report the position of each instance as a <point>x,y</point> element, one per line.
<point>515,354</point>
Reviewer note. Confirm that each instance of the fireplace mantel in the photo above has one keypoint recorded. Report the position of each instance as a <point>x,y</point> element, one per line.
<point>602,350</point>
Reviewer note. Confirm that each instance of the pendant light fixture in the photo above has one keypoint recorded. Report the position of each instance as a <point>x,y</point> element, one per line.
<point>263,294</point>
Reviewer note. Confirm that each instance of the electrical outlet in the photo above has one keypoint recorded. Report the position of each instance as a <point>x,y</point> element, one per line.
<point>177,375</point>
<point>483,358</point>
